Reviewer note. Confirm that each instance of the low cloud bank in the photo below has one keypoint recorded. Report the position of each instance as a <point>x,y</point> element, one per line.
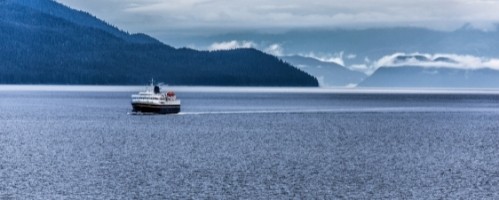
<point>440,60</point>
<point>399,59</point>
<point>229,45</point>
<point>273,49</point>
<point>336,58</point>
<point>468,62</point>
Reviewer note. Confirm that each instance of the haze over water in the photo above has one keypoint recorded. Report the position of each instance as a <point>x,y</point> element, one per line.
<point>58,145</point>
<point>379,122</point>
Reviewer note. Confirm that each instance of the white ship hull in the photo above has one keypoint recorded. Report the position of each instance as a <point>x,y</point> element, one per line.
<point>153,101</point>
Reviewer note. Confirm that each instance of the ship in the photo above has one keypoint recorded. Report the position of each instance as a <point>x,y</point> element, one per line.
<point>152,100</point>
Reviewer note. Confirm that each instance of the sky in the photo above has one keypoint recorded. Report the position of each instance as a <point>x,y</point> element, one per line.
<point>160,17</point>
<point>186,22</point>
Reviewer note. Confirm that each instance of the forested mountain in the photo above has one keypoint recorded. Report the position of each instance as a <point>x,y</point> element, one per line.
<point>43,42</point>
<point>81,18</point>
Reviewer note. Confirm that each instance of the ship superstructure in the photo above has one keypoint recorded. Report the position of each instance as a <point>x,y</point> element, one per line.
<point>152,100</point>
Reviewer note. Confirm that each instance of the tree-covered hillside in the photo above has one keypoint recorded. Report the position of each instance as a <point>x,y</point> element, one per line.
<point>40,47</point>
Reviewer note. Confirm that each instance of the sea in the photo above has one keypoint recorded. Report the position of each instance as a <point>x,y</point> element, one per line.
<point>81,142</point>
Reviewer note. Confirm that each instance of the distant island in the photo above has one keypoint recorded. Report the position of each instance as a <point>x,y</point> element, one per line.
<point>427,77</point>
<point>44,42</point>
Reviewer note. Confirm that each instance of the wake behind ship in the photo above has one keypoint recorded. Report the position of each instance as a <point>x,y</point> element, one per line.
<point>153,101</point>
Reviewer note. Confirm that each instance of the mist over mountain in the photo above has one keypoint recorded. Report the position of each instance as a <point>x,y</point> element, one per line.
<point>434,70</point>
<point>427,77</point>
<point>366,45</point>
<point>43,42</point>
<point>368,50</point>
<point>329,74</point>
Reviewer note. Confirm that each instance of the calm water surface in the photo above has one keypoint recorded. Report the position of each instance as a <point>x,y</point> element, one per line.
<point>86,145</point>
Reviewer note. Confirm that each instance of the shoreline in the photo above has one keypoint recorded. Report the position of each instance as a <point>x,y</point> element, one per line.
<point>237,89</point>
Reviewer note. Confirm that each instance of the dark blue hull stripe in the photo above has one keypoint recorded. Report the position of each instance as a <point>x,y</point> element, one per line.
<point>161,109</point>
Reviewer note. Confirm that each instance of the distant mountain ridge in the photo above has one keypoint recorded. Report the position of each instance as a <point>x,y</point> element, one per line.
<point>422,59</point>
<point>439,70</point>
<point>366,44</point>
<point>426,77</point>
<point>329,74</point>
<point>369,49</point>
<point>404,70</point>
<point>44,42</point>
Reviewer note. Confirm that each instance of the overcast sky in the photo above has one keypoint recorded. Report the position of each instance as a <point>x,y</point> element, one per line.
<point>159,17</point>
